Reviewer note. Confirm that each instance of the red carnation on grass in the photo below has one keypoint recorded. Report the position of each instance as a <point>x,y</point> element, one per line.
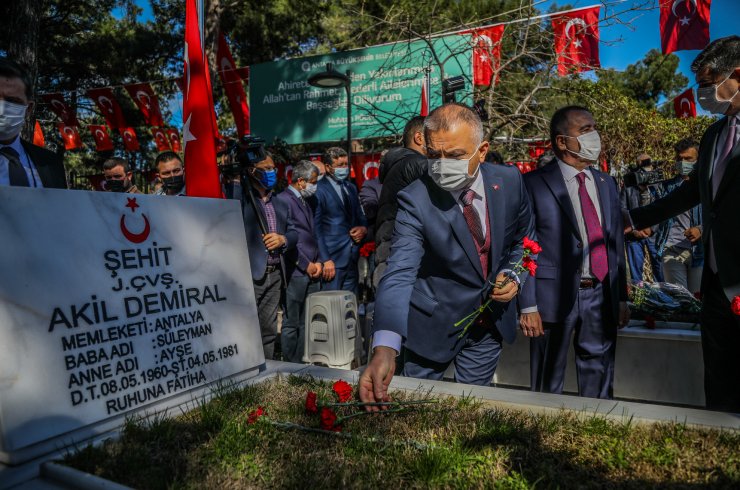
<point>529,264</point>
<point>328,419</point>
<point>343,391</point>
<point>736,305</point>
<point>531,246</point>
<point>255,414</point>
<point>650,322</point>
<point>311,406</point>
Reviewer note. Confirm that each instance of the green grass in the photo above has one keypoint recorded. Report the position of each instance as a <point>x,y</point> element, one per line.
<point>458,443</point>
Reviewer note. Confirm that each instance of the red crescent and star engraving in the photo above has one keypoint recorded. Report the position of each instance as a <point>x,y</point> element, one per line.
<point>134,237</point>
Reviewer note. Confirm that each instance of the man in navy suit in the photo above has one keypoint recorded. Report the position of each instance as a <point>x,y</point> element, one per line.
<point>340,224</point>
<point>458,229</point>
<point>580,287</point>
<point>303,269</point>
<point>268,237</point>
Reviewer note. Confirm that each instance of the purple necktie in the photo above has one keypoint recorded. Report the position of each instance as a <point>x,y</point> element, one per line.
<point>596,245</point>
<point>721,164</point>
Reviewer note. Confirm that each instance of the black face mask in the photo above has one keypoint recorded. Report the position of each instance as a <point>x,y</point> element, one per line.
<point>174,183</point>
<point>116,185</point>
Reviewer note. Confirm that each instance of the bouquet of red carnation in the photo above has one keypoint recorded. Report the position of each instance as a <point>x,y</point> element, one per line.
<point>367,249</point>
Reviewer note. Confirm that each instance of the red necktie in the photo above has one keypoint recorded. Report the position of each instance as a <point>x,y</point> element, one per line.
<point>476,230</point>
<point>596,244</point>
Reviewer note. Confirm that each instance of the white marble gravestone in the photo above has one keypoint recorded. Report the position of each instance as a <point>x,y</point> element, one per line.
<point>114,304</point>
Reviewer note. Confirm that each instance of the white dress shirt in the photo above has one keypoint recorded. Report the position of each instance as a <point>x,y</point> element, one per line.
<point>388,338</point>
<point>33,176</point>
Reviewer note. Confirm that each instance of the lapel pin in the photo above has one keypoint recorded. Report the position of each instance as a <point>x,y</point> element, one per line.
<point>495,187</point>
<point>602,179</point>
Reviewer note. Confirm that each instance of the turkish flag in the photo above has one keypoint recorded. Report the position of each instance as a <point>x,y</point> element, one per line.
<point>577,40</point>
<point>59,107</point>
<point>685,105</point>
<point>101,137</point>
<point>684,24</point>
<point>233,87</point>
<point>486,54</point>
<point>130,140</point>
<point>108,105</point>
<point>161,139</point>
<point>38,136</point>
<point>70,136</point>
<point>174,138</point>
<point>366,167</point>
<point>198,132</point>
<point>147,102</point>
<point>425,96</point>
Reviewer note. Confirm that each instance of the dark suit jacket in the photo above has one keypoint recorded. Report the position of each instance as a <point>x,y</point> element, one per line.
<point>301,220</point>
<point>255,245</point>
<point>48,164</point>
<point>434,278</point>
<point>332,224</point>
<point>719,214</point>
<point>554,289</point>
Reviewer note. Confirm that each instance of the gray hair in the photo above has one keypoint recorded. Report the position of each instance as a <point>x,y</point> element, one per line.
<point>448,116</point>
<point>720,56</point>
<point>304,170</point>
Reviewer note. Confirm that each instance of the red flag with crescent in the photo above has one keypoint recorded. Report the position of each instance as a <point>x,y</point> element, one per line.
<point>425,96</point>
<point>101,137</point>
<point>685,105</point>
<point>198,132</point>
<point>59,107</point>
<point>130,140</point>
<point>70,136</point>
<point>174,138</point>
<point>109,107</point>
<point>366,167</point>
<point>684,24</point>
<point>486,54</point>
<point>147,102</point>
<point>161,139</point>
<point>232,82</point>
<point>38,135</point>
<point>577,40</point>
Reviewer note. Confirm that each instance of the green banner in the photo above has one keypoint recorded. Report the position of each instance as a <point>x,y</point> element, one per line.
<point>386,90</point>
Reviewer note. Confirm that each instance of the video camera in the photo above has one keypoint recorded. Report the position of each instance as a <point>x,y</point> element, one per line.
<point>243,153</point>
<point>641,176</point>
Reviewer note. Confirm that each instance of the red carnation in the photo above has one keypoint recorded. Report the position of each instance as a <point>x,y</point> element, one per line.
<point>529,264</point>
<point>367,249</point>
<point>736,305</point>
<point>328,419</point>
<point>256,414</point>
<point>311,406</point>
<point>531,246</point>
<point>343,391</point>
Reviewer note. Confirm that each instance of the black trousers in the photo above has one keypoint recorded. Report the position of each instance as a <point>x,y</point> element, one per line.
<point>720,342</point>
<point>268,292</point>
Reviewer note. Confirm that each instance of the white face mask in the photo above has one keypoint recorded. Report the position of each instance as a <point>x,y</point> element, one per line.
<point>451,174</point>
<point>590,146</point>
<point>12,117</point>
<point>309,191</point>
<point>710,102</point>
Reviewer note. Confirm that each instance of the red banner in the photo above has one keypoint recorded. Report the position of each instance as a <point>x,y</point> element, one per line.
<point>366,167</point>
<point>109,107</point>
<point>577,40</point>
<point>487,54</point>
<point>101,137</point>
<point>685,105</point>
<point>174,137</point>
<point>70,136</point>
<point>233,87</point>
<point>147,102</point>
<point>198,132</point>
<point>161,139</point>
<point>684,24</point>
<point>130,140</point>
<point>59,107</point>
<point>38,136</point>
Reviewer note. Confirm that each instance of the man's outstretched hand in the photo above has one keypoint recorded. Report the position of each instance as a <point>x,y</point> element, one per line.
<point>377,376</point>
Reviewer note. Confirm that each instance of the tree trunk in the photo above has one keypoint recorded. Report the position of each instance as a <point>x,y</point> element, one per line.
<point>23,36</point>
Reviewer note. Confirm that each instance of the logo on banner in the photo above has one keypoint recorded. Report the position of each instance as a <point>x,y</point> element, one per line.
<point>130,236</point>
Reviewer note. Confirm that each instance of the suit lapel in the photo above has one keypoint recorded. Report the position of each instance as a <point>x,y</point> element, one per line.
<point>707,158</point>
<point>554,179</point>
<point>453,215</point>
<point>730,173</point>
<point>38,163</point>
<point>603,189</point>
<point>303,206</point>
<point>496,208</point>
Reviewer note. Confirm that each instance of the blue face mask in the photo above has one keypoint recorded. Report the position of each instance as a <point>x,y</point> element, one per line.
<point>266,178</point>
<point>341,173</point>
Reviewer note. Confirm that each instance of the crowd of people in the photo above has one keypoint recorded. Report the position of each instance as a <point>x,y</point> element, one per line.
<point>451,223</point>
